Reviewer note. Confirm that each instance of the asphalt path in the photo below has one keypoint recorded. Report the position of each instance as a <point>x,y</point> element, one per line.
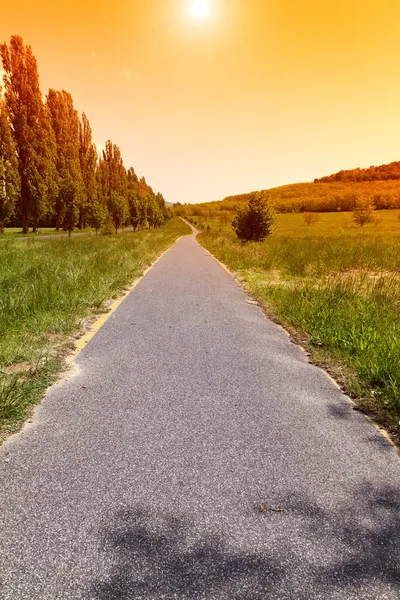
<point>142,474</point>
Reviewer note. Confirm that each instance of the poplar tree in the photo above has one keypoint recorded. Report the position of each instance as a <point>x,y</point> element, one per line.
<point>137,210</point>
<point>31,130</point>
<point>113,181</point>
<point>96,214</point>
<point>88,163</point>
<point>136,204</point>
<point>10,182</point>
<point>65,124</point>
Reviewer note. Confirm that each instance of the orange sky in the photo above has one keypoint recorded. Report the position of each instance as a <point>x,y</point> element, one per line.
<point>263,93</point>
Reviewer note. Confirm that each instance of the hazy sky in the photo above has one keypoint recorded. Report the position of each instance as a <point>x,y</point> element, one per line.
<point>246,95</point>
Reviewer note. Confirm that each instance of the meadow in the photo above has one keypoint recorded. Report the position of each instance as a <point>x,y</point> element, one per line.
<point>336,288</point>
<point>15,232</point>
<point>49,292</point>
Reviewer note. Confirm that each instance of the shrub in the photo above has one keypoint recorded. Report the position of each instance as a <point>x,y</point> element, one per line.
<point>310,218</point>
<point>255,220</point>
<point>363,211</point>
<point>107,227</point>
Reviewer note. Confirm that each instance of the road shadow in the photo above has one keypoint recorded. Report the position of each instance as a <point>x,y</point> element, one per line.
<point>340,411</point>
<point>160,557</point>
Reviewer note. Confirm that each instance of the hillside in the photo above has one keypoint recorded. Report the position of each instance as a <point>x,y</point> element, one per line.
<point>336,192</point>
<point>381,173</point>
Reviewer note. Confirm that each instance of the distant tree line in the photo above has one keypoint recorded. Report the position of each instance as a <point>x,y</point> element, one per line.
<point>50,170</point>
<point>308,197</point>
<point>381,173</point>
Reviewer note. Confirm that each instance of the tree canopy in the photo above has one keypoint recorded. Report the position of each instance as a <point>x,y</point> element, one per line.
<point>255,221</point>
<point>50,170</point>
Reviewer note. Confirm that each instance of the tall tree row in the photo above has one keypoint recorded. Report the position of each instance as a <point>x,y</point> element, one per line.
<point>50,171</point>
<point>10,182</point>
<point>32,132</point>
<point>88,163</point>
<point>65,124</point>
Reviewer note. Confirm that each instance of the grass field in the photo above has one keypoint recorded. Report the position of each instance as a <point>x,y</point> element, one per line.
<point>335,224</point>
<point>48,289</point>
<point>15,232</point>
<point>337,288</point>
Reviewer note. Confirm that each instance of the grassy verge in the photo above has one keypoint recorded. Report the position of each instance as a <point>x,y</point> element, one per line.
<point>48,290</point>
<point>340,296</point>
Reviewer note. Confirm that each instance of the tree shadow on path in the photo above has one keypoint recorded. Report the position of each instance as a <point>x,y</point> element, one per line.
<point>156,556</point>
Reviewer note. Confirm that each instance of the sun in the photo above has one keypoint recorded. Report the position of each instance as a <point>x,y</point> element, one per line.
<point>200,9</point>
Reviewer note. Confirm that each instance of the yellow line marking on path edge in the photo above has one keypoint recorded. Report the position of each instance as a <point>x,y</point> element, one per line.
<point>82,342</point>
<point>378,427</point>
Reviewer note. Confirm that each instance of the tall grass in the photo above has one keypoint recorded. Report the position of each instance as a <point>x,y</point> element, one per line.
<point>299,256</point>
<point>47,290</point>
<point>342,293</point>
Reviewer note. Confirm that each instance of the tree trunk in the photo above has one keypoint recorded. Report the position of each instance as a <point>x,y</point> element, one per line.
<point>81,222</point>
<point>1,227</point>
<point>25,224</point>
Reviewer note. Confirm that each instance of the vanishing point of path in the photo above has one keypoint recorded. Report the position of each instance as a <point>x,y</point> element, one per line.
<point>142,474</point>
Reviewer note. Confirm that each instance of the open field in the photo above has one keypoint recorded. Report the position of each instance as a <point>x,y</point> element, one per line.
<point>336,224</point>
<point>337,288</point>
<point>48,289</point>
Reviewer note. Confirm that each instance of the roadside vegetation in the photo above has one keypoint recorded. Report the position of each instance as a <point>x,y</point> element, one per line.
<point>336,288</point>
<point>49,291</point>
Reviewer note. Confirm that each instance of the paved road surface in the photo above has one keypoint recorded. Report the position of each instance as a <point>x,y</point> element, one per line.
<point>141,475</point>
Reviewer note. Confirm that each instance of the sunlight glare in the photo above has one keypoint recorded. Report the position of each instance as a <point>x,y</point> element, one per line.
<point>200,9</point>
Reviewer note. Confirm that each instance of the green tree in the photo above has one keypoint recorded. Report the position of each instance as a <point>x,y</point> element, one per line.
<point>118,210</point>
<point>70,191</point>
<point>96,214</point>
<point>88,164</point>
<point>113,184</point>
<point>10,182</point>
<point>134,209</point>
<point>136,200</point>
<point>115,179</point>
<point>65,124</point>
<point>255,220</point>
<point>363,211</point>
<point>224,217</point>
<point>143,217</point>
<point>31,130</point>
<point>154,211</point>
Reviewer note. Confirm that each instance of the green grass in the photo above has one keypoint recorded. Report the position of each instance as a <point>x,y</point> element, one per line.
<point>337,224</point>
<point>48,288</point>
<point>339,292</point>
<point>16,232</point>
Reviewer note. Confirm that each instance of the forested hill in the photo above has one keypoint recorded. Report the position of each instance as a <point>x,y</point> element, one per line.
<point>333,192</point>
<point>381,173</point>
